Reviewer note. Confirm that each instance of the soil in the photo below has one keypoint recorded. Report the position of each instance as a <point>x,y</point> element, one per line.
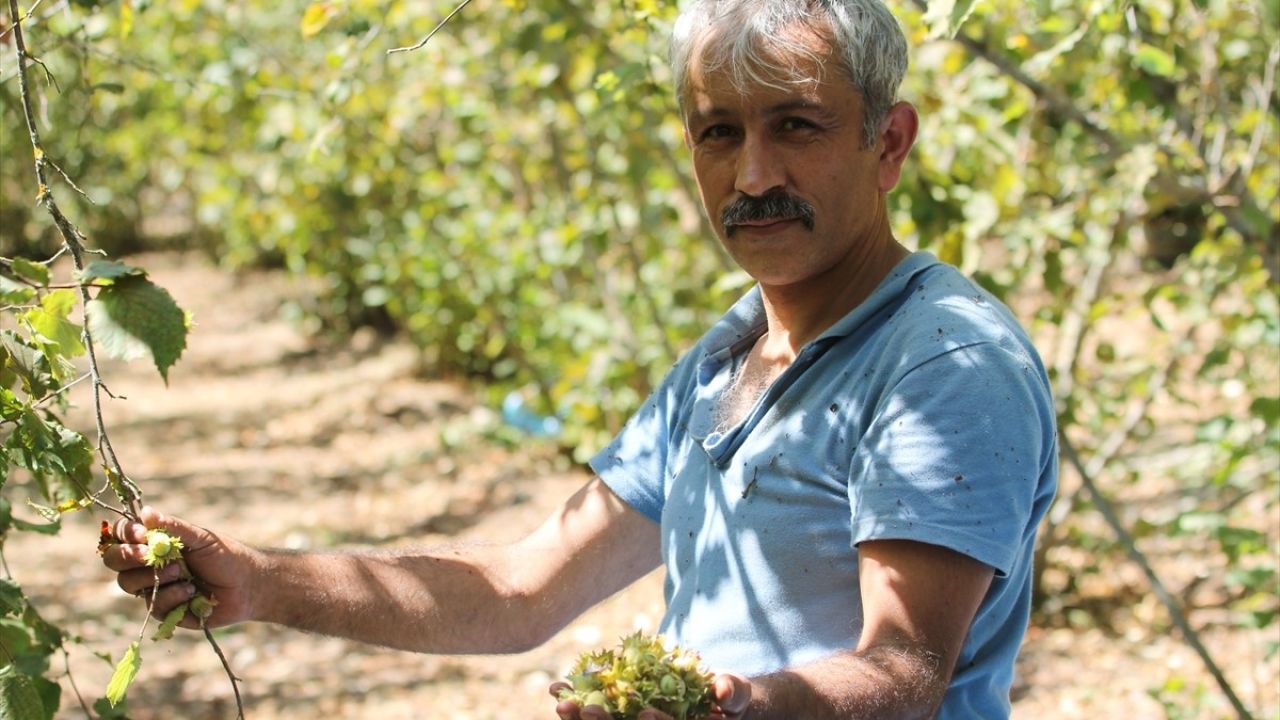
<point>273,437</point>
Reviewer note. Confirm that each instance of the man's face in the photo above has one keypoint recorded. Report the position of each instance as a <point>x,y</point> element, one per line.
<point>800,146</point>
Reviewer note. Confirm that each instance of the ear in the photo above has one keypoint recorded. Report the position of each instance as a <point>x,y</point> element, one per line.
<point>897,135</point>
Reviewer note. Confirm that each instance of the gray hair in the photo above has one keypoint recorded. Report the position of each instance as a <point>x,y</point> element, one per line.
<point>758,42</point>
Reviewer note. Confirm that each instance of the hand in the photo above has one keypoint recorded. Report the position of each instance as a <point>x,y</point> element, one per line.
<point>733,696</point>
<point>222,568</point>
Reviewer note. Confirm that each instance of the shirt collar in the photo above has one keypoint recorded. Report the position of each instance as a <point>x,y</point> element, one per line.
<point>745,320</point>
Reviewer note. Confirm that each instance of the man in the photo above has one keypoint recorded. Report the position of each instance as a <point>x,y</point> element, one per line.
<point>842,478</point>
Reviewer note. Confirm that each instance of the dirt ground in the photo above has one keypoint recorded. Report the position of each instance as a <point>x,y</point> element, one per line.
<point>268,437</point>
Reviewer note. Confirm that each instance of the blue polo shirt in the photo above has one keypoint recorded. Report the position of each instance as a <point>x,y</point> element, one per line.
<point>924,414</point>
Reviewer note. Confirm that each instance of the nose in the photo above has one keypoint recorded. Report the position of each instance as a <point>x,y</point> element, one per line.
<point>760,167</point>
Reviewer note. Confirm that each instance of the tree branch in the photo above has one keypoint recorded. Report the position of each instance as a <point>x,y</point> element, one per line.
<point>73,240</point>
<point>1107,510</point>
<point>434,30</point>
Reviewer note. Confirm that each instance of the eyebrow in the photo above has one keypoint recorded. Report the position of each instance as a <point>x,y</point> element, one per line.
<point>781,108</point>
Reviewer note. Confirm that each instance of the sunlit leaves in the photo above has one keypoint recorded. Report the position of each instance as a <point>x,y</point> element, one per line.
<point>56,335</point>
<point>316,17</point>
<point>945,17</point>
<point>32,272</point>
<point>126,670</point>
<point>1155,61</point>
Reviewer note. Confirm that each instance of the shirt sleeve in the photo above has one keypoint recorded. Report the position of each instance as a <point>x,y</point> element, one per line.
<point>953,455</point>
<point>634,464</point>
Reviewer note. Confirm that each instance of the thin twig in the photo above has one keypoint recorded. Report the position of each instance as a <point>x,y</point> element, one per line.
<point>434,30</point>
<point>235,688</point>
<point>71,182</point>
<point>66,661</point>
<point>30,11</point>
<point>71,237</point>
<point>1189,635</point>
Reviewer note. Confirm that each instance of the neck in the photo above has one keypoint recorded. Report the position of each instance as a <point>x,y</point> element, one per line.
<point>800,312</point>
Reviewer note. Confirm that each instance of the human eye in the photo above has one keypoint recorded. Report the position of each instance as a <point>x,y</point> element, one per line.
<point>794,124</point>
<point>717,132</point>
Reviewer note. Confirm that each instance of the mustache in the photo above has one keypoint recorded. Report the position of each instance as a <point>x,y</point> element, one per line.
<point>778,205</point>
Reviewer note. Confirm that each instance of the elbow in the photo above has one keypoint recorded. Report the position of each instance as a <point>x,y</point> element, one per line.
<point>530,621</point>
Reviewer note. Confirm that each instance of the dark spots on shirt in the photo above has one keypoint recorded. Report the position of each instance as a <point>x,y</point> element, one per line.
<point>834,407</point>
<point>959,478</point>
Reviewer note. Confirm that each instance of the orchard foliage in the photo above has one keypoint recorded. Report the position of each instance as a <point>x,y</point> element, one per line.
<point>515,196</point>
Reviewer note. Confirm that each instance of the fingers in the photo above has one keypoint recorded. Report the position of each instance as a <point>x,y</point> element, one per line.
<point>733,694</point>
<point>141,579</point>
<point>193,537</point>
<point>569,709</point>
<point>162,596</point>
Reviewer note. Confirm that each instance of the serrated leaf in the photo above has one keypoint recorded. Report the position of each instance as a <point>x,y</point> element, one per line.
<point>50,320</point>
<point>126,671</point>
<point>19,699</point>
<point>109,270</point>
<point>134,318</point>
<point>30,271</point>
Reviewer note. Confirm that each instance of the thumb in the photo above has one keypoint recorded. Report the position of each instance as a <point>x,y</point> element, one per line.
<point>733,694</point>
<point>192,536</point>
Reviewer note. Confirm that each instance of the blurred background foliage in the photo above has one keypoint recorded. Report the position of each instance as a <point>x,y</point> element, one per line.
<point>515,197</point>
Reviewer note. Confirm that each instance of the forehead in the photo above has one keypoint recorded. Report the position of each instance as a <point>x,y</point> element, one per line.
<point>728,73</point>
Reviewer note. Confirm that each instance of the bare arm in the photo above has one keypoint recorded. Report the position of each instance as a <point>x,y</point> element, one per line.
<point>918,602</point>
<point>464,599</point>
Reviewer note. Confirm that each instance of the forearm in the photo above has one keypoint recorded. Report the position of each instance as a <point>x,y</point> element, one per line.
<point>885,683</point>
<point>443,601</point>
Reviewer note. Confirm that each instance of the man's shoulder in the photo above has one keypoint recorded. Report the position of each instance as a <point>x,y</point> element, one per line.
<point>941,309</point>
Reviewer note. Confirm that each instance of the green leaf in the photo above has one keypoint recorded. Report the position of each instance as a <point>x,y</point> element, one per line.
<point>11,602</point>
<point>171,620</point>
<point>134,318</point>
<point>1155,61</point>
<point>30,271</point>
<point>50,694</point>
<point>43,529</point>
<point>110,270</point>
<point>19,699</point>
<point>15,293</point>
<point>50,320</point>
<point>106,711</point>
<point>126,671</point>
<point>945,17</point>
<point>1267,408</point>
